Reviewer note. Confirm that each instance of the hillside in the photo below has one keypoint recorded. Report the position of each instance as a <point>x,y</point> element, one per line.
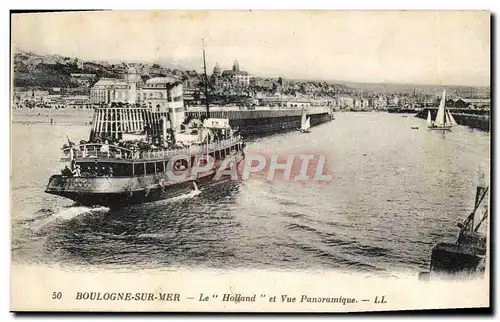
<point>32,70</point>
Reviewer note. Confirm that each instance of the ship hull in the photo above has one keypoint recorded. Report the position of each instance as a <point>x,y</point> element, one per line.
<point>123,191</point>
<point>442,128</point>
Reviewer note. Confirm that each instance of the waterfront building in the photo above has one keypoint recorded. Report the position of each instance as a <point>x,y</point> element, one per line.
<point>72,101</point>
<point>344,101</point>
<point>112,90</point>
<point>365,103</point>
<point>394,101</point>
<point>381,103</point>
<point>271,100</point>
<point>357,102</point>
<point>322,102</point>
<point>477,102</point>
<point>40,95</point>
<point>107,90</point>
<point>298,103</point>
<point>23,95</point>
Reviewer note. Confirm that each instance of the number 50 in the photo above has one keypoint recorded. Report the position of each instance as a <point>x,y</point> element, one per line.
<point>56,295</point>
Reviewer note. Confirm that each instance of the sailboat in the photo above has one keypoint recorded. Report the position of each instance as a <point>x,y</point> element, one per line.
<point>305,123</point>
<point>444,120</point>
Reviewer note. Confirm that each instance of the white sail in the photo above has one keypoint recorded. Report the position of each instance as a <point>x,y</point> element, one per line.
<point>452,119</point>
<point>303,120</point>
<point>441,115</point>
<point>429,119</point>
<point>307,125</point>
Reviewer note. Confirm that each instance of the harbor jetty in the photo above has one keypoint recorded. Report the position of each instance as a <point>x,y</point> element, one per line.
<point>268,121</point>
<point>474,118</point>
<point>261,121</point>
<point>402,110</point>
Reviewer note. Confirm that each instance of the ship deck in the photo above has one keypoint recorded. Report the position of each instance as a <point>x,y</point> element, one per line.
<point>92,152</point>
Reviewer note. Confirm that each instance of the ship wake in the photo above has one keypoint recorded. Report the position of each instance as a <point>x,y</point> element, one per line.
<point>47,217</point>
<point>183,197</point>
<point>75,211</point>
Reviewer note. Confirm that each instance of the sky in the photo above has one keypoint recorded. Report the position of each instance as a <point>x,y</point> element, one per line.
<point>410,47</point>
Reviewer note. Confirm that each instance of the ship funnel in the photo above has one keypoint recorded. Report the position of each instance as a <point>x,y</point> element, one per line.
<point>176,107</point>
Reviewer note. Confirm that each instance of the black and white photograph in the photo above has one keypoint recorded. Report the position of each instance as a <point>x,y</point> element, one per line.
<point>338,148</point>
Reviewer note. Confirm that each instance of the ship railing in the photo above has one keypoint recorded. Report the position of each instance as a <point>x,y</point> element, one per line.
<point>107,151</point>
<point>98,150</point>
<point>191,150</point>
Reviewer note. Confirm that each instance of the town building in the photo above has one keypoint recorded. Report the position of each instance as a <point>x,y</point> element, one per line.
<point>112,90</point>
<point>344,101</point>
<point>106,90</point>
<point>477,102</point>
<point>271,100</point>
<point>40,96</point>
<point>83,79</point>
<point>217,70</point>
<point>235,75</point>
<point>298,103</point>
<point>381,103</point>
<point>394,101</point>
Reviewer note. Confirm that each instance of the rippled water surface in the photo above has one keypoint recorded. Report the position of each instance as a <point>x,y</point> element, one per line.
<point>395,193</point>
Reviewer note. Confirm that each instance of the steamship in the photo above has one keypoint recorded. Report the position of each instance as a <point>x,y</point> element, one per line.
<point>138,154</point>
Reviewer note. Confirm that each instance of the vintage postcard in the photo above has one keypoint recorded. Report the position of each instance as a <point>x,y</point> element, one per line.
<point>250,161</point>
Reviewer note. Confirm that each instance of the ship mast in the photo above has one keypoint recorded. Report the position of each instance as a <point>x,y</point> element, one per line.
<point>206,80</point>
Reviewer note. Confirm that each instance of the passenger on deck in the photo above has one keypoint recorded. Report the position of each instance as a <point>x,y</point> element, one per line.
<point>110,171</point>
<point>76,171</point>
<point>105,147</point>
<point>66,172</point>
